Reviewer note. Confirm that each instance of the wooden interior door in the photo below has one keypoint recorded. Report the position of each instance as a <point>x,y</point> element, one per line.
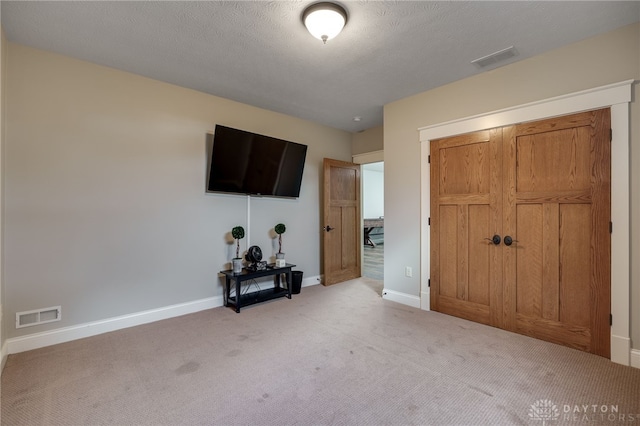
<point>341,221</point>
<point>558,208</point>
<point>544,189</point>
<point>466,212</point>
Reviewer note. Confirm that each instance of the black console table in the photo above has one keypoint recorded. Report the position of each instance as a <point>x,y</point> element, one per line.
<point>249,298</point>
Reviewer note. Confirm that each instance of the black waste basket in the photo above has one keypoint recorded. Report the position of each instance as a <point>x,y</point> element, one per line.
<point>296,284</point>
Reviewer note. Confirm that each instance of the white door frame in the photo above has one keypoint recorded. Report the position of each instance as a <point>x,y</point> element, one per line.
<point>617,96</point>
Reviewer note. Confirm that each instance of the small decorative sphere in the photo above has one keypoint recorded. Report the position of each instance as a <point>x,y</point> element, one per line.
<point>237,232</point>
<point>280,228</point>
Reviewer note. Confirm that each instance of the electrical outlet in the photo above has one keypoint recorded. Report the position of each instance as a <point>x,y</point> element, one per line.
<point>408,272</point>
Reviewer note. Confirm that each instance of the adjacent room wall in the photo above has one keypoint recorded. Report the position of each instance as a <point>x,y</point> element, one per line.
<point>372,192</point>
<point>106,212</point>
<point>595,62</point>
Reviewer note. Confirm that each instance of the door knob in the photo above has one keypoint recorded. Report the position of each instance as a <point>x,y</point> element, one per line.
<point>495,239</point>
<point>328,228</point>
<point>508,240</point>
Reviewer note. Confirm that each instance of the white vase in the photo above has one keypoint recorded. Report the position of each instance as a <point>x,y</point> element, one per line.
<point>280,262</point>
<point>237,265</point>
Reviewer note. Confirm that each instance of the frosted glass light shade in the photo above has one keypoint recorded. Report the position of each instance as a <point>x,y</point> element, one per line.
<point>324,20</point>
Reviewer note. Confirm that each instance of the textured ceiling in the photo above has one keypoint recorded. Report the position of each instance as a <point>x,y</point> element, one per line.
<point>259,53</point>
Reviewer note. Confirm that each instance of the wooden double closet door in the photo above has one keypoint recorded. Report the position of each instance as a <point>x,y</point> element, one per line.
<point>520,229</point>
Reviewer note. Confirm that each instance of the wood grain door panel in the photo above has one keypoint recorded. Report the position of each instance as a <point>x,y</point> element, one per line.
<point>341,245</point>
<point>467,202</point>
<point>557,275</point>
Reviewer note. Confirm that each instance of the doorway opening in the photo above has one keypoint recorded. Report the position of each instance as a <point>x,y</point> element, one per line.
<point>373,220</point>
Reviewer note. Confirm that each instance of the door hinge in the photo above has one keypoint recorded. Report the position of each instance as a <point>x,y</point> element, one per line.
<point>429,221</point>
<point>610,319</point>
<point>611,227</point>
<point>429,159</point>
<point>429,282</point>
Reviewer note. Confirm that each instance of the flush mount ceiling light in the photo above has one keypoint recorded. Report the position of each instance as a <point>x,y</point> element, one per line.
<point>324,20</point>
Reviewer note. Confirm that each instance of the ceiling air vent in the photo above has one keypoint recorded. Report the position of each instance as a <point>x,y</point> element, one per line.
<point>495,57</point>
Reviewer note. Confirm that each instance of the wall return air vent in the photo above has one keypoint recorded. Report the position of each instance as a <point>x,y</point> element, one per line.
<point>39,316</point>
<point>495,57</point>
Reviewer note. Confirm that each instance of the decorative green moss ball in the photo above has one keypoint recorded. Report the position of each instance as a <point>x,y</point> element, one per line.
<point>237,232</point>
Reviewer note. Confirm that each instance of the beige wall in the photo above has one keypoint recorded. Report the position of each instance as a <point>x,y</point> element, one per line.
<point>106,212</point>
<point>369,140</point>
<point>3,62</point>
<point>634,148</point>
<point>595,62</point>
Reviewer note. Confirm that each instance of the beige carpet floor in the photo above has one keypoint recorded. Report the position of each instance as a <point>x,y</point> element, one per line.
<point>338,355</point>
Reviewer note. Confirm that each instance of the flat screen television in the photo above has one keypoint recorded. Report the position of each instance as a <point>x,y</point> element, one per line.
<point>248,163</point>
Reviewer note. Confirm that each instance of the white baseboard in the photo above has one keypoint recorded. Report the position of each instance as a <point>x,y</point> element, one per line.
<point>425,301</point>
<point>620,349</point>
<point>4,354</point>
<point>405,299</point>
<point>635,358</point>
<point>3,345</point>
<point>67,334</point>
<point>306,282</point>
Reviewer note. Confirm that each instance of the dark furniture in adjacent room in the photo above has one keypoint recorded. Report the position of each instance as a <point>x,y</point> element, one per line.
<point>370,225</point>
